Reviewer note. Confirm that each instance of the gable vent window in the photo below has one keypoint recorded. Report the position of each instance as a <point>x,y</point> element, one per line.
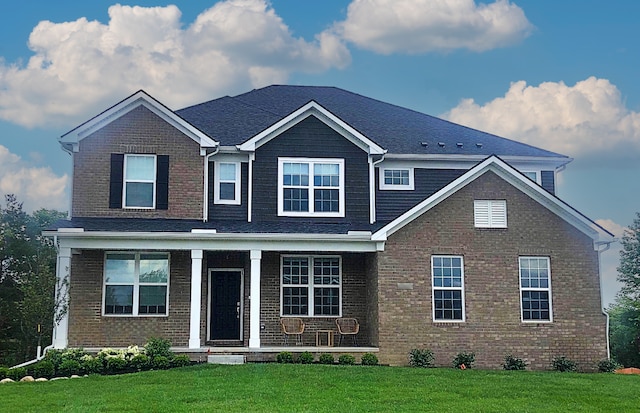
<point>490,213</point>
<point>139,181</point>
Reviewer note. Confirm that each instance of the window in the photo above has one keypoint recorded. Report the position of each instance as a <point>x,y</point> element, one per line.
<point>227,183</point>
<point>139,181</point>
<point>447,288</point>
<point>311,286</point>
<point>311,187</point>
<point>535,289</point>
<point>533,175</point>
<point>396,179</point>
<point>490,214</point>
<point>136,283</point>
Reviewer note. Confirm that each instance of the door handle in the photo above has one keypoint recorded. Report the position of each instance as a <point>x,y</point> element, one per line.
<point>238,310</point>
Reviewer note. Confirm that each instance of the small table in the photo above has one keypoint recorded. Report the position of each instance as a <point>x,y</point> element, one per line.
<point>329,334</point>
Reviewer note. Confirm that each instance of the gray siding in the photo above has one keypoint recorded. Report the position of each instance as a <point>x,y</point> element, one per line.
<point>231,212</point>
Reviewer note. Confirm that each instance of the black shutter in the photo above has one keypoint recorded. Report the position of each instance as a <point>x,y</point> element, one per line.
<point>115,183</point>
<point>162,182</point>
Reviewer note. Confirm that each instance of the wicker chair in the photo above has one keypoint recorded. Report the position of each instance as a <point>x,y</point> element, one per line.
<point>348,327</point>
<point>292,326</point>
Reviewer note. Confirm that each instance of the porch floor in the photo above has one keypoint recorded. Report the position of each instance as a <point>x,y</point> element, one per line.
<point>275,349</point>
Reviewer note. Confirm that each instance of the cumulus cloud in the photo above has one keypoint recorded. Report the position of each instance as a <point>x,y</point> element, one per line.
<point>587,118</point>
<point>82,66</point>
<point>613,227</point>
<point>419,26</point>
<point>36,187</point>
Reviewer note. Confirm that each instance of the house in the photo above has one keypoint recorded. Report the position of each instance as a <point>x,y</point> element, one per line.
<point>208,225</point>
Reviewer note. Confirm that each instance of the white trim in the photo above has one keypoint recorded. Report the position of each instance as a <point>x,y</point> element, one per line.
<point>60,339</point>
<point>197,256</point>
<point>216,183</point>
<point>125,181</point>
<point>450,288</point>
<point>490,213</point>
<point>547,289</point>
<point>311,162</point>
<point>393,187</point>
<point>209,297</point>
<point>315,109</point>
<point>254,299</point>
<point>252,157</point>
<point>537,175</point>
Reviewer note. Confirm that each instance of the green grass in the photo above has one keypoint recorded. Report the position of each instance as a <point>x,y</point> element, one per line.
<point>318,388</point>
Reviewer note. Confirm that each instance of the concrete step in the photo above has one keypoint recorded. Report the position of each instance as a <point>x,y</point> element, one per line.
<point>225,359</point>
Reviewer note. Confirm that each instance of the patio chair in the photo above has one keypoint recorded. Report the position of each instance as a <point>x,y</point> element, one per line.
<point>348,327</point>
<point>292,326</point>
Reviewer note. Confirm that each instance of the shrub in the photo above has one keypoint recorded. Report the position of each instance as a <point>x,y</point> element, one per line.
<point>158,347</point>
<point>43,368</point>
<point>284,357</point>
<point>69,367</point>
<point>326,358</point>
<point>116,364</point>
<point>4,372</point>
<point>180,360</point>
<point>346,359</point>
<point>140,362</point>
<point>464,360</point>
<point>563,364</point>
<point>514,363</point>
<point>73,354</point>
<point>608,365</point>
<point>17,373</point>
<point>54,356</point>
<point>160,363</point>
<point>369,359</point>
<point>305,358</point>
<point>92,365</point>
<point>420,358</point>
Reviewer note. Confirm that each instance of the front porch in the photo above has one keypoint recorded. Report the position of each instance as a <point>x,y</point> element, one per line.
<point>268,354</point>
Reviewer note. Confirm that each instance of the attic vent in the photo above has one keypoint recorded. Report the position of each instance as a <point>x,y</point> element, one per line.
<point>441,144</point>
<point>425,144</point>
<point>459,145</point>
<point>478,145</point>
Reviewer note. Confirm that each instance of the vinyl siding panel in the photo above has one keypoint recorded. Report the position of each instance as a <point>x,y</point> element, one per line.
<point>225,211</point>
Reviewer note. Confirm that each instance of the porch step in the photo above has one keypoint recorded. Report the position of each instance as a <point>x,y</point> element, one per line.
<point>226,359</point>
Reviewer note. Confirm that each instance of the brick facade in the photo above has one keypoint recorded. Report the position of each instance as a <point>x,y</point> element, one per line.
<point>139,131</point>
<point>493,327</point>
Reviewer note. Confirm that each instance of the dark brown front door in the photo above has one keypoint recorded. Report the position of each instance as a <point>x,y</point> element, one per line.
<point>225,307</point>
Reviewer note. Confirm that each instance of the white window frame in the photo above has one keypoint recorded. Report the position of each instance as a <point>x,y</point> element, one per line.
<point>311,187</point>
<point>218,181</point>
<point>392,187</point>
<point>310,287</point>
<point>490,213</point>
<point>451,288</point>
<point>125,181</point>
<point>537,178</point>
<point>547,289</point>
<point>136,284</point>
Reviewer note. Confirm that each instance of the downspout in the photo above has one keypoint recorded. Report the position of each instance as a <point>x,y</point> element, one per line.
<point>372,187</point>
<point>205,208</point>
<point>607,245</point>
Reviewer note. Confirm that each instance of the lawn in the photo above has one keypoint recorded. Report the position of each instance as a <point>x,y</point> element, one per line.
<point>320,388</point>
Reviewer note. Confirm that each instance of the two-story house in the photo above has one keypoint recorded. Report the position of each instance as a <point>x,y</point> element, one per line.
<point>208,225</point>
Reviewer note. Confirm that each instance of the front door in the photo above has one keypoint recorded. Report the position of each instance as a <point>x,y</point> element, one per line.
<point>226,305</point>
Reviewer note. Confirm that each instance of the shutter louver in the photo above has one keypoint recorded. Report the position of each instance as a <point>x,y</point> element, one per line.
<point>490,214</point>
<point>162,182</point>
<point>116,180</point>
<point>481,214</point>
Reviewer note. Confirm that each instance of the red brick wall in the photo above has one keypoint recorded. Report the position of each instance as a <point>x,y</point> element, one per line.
<point>139,131</point>
<point>493,328</point>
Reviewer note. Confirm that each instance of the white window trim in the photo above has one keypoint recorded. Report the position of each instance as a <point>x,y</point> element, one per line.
<point>461,288</point>
<point>495,218</point>
<point>391,187</point>
<point>217,182</point>
<point>136,284</point>
<point>548,289</point>
<point>310,287</point>
<point>125,181</point>
<point>311,187</point>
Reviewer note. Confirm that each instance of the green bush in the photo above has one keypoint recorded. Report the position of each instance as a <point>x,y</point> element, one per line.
<point>92,365</point>
<point>284,357</point>
<point>346,359</point>
<point>180,360</point>
<point>140,362</point>
<point>464,360</point>
<point>563,364</point>
<point>73,354</point>
<point>421,358</point>
<point>158,347</point>
<point>17,373</point>
<point>69,367</point>
<point>305,358</point>
<point>43,368</point>
<point>161,363</point>
<point>608,365</point>
<point>326,358</point>
<point>514,363</point>
<point>4,372</point>
<point>369,359</point>
<point>54,356</point>
<point>116,365</point>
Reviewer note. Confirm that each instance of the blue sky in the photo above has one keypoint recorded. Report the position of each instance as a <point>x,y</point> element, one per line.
<point>559,75</point>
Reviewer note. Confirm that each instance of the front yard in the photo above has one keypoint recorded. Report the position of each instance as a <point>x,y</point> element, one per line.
<point>321,388</point>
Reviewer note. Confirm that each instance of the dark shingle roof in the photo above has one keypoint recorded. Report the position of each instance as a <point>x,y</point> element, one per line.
<point>233,120</point>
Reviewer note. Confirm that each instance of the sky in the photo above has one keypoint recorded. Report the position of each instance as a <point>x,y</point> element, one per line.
<point>558,75</point>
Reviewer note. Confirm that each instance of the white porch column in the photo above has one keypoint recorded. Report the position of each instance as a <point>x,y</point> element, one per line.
<point>196,294</point>
<point>254,322</point>
<point>63,269</point>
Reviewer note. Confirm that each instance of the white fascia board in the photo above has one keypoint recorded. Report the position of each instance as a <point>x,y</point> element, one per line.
<point>140,98</point>
<point>313,108</point>
<point>434,161</point>
<point>511,175</point>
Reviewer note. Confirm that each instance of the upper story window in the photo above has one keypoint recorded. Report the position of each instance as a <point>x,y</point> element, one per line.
<point>396,179</point>
<point>226,188</point>
<point>490,213</point>
<point>535,289</point>
<point>311,187</point>
<point>533,175</point>
<point>139,181</point>
<point>447,275</point>
<point>311,286</point>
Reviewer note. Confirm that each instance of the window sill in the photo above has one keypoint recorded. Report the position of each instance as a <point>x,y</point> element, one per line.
<point>135,316</point>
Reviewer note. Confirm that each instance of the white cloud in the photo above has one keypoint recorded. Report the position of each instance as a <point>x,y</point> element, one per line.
<point>35,187</point>
<point>613,227</point>
<point>83,66</point>
<point>419,26</point>
<point>587,118</point>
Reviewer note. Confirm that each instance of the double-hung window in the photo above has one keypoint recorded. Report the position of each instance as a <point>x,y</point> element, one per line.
<point>535,289</point>
<point>139,181</point>
<point>311,187</point>
<point>490,213</point>
<point>311,286</point>
<point>136,283</point>
<point>447,288</point>
<point>396,179</point>
<point>227,183</point>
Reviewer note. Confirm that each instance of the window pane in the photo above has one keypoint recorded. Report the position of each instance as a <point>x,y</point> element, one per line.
<point>535,305</point>
<point>295,270</point>
<point>227,191</point>
<point>140,168</point>
<point>118,299</point>
<point>448,304</point>
<point>153,268</point>
<point>396,177</point>
<point>227,172</point>
<point>296,200</point>
<point>326,301</point>
<point>120,268</point>
<point>327,200</point>
<point>139,194</point>
<point>295,174</point>
<point>326,175</point>
<point>153,299</point>
<point>295,301</point>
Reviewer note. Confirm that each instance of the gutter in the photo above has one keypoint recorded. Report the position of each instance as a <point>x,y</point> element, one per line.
<point>39,356</point>
<point>607,246</point>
